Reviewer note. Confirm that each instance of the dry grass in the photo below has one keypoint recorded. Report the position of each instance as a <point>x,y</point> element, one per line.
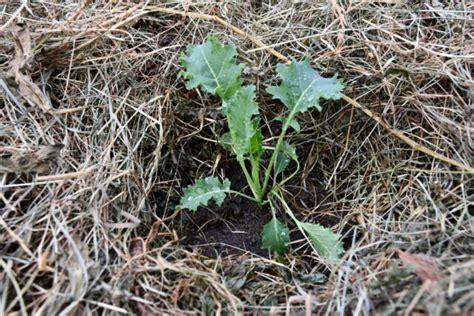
<point>91,229</point>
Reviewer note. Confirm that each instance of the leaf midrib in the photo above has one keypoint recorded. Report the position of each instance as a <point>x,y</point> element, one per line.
<point>210,192</point>
<point>216,77</point>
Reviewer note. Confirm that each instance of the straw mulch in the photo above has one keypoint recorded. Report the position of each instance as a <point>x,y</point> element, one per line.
<point>98,136</point>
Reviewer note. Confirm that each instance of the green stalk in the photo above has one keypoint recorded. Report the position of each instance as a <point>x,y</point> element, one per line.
<point>282,182</point>
<point>256,179</point>
<point>243,195</point>
<point>276,150</point>
<point>272,208</point>
<point>255,190</point>
<point>287,208</point>
<point>293,217</point>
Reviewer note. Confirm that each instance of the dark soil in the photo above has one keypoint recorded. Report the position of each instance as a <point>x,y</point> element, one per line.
<point>231,228</point>
<point>236,226</point>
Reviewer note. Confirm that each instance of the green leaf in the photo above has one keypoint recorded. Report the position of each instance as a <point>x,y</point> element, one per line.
<point>212,66</point>
<point>275,236</point>
<point>202,191</point>
<point>302,86</point>
<point>239,111</point>
<point>286,152</point>
<point>256,142</point>
<point>256,147</point>
<point>327,243</point>
<point>293,123</point>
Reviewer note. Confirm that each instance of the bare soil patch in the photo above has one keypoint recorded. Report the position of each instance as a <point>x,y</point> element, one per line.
<point>231,228</point>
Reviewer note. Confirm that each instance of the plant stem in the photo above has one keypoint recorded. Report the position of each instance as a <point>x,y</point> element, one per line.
<point>293,217</point>
<point>272,208</point>
<point>255,191</point>
<point>242,195</point>
<point>282,182</point>
<point>256,179</point>
<point>268,171</point>
<point>287,208</point>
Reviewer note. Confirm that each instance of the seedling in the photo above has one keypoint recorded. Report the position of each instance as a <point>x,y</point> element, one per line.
<point>212,67</point>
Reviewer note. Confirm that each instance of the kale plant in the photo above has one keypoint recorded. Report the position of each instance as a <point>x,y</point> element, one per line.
<point>212,67</point>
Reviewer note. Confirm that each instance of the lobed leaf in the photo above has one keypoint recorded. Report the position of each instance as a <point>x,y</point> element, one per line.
<point>255,146</point>
<point>213,67</point>
<point>275,236</point>
<point>324,240</point>
<point>239,110</point>
<point>302,86</point>
<point>201,192</point>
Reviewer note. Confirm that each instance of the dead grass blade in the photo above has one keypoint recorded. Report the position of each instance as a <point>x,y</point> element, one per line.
<point>24,54</point>
<point>97,232</point>
<point>353,102</point>
<point>26,161</point>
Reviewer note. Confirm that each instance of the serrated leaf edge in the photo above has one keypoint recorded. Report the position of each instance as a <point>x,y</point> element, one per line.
<point>225,183</point>
<point>331,254</point>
